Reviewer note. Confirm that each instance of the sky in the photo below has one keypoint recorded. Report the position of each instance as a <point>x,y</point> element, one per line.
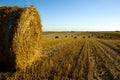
<point>74,15</point>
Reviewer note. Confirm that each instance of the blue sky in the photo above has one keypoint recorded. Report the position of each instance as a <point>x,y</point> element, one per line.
<point>75,15</point>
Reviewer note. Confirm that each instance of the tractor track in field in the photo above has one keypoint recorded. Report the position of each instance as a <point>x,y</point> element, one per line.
<point>111,55</point>
<point>113,52</point>
<point>102,71</point>
<point>93,65</point>
<point>111,64</point>
<point>116,50</point>
<point>69,63</point>
<point>83,70</point>
<point>65,63</point>
<point>76,61</point>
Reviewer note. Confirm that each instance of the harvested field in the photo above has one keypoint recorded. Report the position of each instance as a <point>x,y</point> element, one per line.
<point>75,59</point>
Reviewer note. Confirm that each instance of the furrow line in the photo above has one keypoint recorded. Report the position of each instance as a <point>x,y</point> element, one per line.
<point>111,58</point>
<point>110,67</point>
<point>72,73</point>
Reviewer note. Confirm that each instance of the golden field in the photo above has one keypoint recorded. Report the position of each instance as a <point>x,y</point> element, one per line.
<point>74,56</point>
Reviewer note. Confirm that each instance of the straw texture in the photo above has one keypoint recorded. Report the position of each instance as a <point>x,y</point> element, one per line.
<point>20,36</point>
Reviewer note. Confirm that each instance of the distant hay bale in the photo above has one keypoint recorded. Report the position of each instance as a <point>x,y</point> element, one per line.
<point>20,36</point>
<point>110,37</point>
<point>56,37</point>
<point>75,37</point>
<point>83,36</point>
<point>88,36</point>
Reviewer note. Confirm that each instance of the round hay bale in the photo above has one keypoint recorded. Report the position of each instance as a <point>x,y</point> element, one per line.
<point>56,37</point>
<point>75,37</point>
<point>21,36</point>
<point>88,36</point>
<point>110,37</point>
<point>83,36</point>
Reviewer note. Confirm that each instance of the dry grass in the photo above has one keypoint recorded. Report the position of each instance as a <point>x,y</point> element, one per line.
<point>75,59</point>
